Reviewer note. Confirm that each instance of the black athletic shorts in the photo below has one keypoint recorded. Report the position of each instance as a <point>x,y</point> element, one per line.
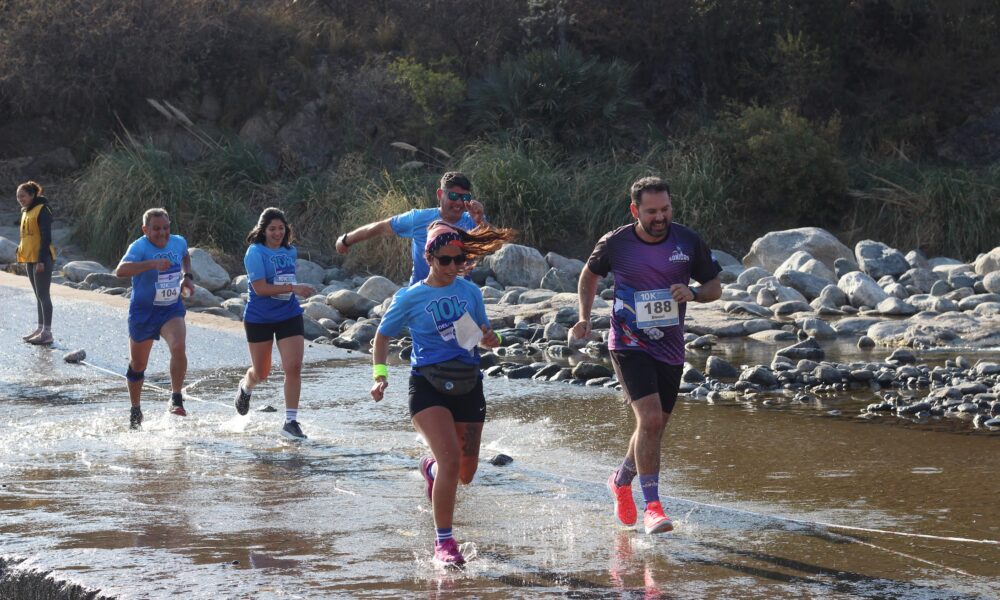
<point>641,375</point>
<point>265,332</point>
<point>467,408</point>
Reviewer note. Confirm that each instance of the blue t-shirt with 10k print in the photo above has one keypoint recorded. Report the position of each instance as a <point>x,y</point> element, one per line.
<point>276,267</point>
<point>155,291</point>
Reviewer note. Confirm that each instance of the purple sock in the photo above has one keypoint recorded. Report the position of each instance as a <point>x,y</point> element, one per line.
<point>650,485</point>
<point>625,473</point>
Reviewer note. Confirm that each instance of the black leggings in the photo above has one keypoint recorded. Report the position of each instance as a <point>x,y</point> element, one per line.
<point>40,282</point>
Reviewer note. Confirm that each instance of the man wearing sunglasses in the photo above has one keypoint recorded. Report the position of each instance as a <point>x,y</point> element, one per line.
<point>456,207</point>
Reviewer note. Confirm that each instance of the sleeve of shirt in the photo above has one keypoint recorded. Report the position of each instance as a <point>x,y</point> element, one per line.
<point>704,267</point>
<point>403,224</point>
<point>395,316</point>
<point>134,252</point>
<point>254,263</point>
<point>467,223</point>
<point>599,262</point>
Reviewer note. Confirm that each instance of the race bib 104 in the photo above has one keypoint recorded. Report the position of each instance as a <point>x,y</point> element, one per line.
<point>168,288</point>
<point>655,308</point>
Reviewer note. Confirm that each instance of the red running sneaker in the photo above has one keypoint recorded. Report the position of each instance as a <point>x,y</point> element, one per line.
<point>624,504</point>
<point>447,553</point>
<point>654,519</point>
<point>177,409</point>
<point>425,469</point>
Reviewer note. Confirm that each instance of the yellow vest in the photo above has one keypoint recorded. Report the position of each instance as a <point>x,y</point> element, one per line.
<point>31,237</point>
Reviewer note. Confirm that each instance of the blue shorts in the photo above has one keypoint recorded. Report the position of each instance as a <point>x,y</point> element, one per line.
<point>149,329</point>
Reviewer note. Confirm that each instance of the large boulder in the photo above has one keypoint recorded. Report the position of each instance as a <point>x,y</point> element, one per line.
<point>350,304</point>
<point>879,260</point>
<point>358,335</point>
<point>989,262</point>
<point>321,310</point>
<point>861,289</point>
<point>557,261</point>
<point>207,273</point>
<point>991,282</point>
<point>803,262</point>
<point>808,285</point>
<point>201,298</point>
<point>920,279</point>
<point>751,276</point>
<point>559,280</point>
<point>518,265</point>
<point>309,273</point>
<point>378,288</point>
<point>8,251</point>
<point>240,284</point>
<point>775,247</point>
<point>77,270</point>
<point>108,280</point>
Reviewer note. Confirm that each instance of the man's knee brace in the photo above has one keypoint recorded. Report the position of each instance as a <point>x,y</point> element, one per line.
<point>132,375</point>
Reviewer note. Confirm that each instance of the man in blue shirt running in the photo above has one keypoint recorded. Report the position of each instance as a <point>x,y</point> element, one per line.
<point>456,207</point>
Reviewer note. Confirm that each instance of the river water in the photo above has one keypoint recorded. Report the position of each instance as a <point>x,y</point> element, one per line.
<point>219,506</point>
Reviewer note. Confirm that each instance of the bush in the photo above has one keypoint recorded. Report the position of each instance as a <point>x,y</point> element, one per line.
<point>787,170</point>
<point>558,95</point>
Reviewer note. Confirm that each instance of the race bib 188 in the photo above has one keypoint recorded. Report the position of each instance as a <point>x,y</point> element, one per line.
<point>655,308</point>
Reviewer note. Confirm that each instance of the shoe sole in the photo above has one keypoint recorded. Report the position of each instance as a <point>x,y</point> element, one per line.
<point>239,396</point>
<point>181,413</point>
<point>289,436</point>
<point>615,497</point>
<point>661,527</point>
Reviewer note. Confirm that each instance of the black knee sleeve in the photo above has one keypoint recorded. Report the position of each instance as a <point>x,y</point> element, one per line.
<point>132,375</point>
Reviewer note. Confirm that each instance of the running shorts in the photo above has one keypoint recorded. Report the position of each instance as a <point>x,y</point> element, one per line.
<point>140,331</point>
<point>467,408</point>
<point>265,332</point>
<point>641,375</point>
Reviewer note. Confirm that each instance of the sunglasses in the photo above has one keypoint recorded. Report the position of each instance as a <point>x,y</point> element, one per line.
<point>447,260</point>
<point>453,196</point>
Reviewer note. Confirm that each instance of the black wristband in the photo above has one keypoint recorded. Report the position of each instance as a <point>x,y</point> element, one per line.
<point>188,275</point>
<point>343,240</point>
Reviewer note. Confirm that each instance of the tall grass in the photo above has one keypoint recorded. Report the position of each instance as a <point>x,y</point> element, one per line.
<point>948,211</point>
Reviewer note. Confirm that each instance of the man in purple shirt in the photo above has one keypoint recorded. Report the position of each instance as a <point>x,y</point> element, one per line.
<point>653,261</point>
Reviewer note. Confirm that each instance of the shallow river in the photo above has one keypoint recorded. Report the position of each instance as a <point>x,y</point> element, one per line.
<point>219,506</point>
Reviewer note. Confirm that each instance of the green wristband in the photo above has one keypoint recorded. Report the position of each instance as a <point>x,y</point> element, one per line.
<point>380,371</point>
<point>499,338</point>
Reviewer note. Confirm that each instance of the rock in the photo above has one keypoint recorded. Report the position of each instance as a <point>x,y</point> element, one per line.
<point>930,329</point>
<point>771,336</point>
<point>309,273</point>
<point>350,304</point>
<point>201,298</point>
<point>827,374</point>
<point>843,266</point>
<point>534,296</point>
<point>774,248</point>
<point>754,325</point>
<point>559,280</point>
<point>808,348</point>
<point>555,331</point>
<point>865,342</point>
<point>985,369</point>
<point>358,335</point>
<point>751,276</point>
<point>378,288</point>
<point>790,307</point>
<point>501,460</point>
<point>988,262</point>
<point>307,136</point>
<point>8,251</point>
<point>921,279</point>
<point>746,308</point>
<point>902,356</point>
<point>817,328</point>
<point>720,368</point>
<point>518,265</point>
<point>322,310</point>
<point>312,329</point>
<point>75,356</point>
<point>759,375</point>
<point>917,260</point>
<point>240,284</point>
<point>895,306</point>
<point>207,273</point>
<point>876,259</point>
<point>521,372</point>
<point>589,370</point>
<point>808,285</point>
<point>108,280</point>
<point>991,282</point>
<point>861,289</point>
<point>77,270</point>
<point>571,265</point>
<point>512,295</point>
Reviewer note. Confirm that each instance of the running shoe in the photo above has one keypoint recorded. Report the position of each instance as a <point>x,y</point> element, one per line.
<point>42,339</point>
<point>32,334</point>
<point>624,504</point>
<point>654,519</point>
<point>135,418</point>
<point>292,431</point>
<point>242,400</point>
<point>447,553</point>
<point>425,469</point>
<point>177,408</point>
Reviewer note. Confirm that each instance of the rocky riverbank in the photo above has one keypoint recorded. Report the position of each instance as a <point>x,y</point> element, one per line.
<point>798,288</point>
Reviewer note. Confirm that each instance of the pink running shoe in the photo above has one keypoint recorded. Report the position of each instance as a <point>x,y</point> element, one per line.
<point>624,504</point>
<point>654,519</point>
<point>425,469</point>
<point>447,553</point>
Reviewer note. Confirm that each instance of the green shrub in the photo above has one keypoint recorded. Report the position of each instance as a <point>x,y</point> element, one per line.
<point>436,93</point>
<point>787,169</point>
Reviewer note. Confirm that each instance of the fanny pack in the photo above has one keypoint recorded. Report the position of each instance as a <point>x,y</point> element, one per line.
<point>452,377</point>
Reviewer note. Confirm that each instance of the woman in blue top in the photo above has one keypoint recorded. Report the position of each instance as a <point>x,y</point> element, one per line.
<point>447,319</point>
<point>273,313</point>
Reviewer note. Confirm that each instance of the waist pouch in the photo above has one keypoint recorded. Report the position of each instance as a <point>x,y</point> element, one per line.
<point>452,377</point>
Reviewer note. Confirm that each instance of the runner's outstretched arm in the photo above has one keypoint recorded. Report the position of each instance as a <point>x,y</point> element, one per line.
<point>363,233</point>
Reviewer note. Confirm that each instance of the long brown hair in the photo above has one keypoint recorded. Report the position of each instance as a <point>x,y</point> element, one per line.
<point>477,243</point>
<point>256,235</point>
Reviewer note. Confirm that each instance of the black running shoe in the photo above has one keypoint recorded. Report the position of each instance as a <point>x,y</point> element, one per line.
<point>242,400</point>
<point>292,431</point>
<point>135,418</point>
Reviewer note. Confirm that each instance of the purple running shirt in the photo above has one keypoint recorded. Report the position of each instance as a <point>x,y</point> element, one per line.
<point>644,316</point>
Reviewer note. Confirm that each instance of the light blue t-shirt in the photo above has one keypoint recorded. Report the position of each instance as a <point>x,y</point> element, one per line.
<point>274,267</point>
<point>430,313</point>
<point>156,291</point>
<point>413,224</point>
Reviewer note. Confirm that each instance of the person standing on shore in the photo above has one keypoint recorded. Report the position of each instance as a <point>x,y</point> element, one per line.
<point>38,254</point>
<point>653,261</point>
<point>273,314</point>
<point>447,319</point>
<point>457,207</point>
<point>160,268</point>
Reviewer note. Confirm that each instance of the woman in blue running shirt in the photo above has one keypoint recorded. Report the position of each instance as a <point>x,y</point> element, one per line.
<point>273,314</point>
<point>447,319</point>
